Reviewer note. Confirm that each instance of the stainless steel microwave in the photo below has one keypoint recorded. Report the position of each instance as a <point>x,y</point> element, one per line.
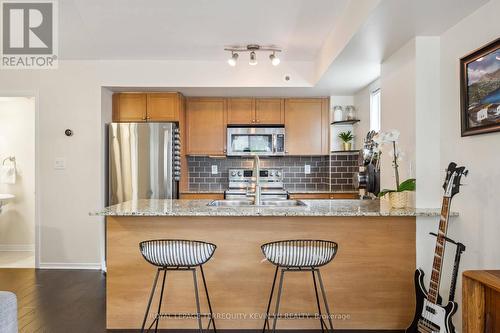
<point>263,141</point>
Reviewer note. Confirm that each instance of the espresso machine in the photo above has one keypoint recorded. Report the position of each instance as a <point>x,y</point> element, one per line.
<point>367,179</point>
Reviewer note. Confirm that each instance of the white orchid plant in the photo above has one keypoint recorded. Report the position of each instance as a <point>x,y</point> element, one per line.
<point>391,138</point>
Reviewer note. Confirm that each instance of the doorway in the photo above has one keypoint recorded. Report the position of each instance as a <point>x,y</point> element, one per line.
<point>17,182</point>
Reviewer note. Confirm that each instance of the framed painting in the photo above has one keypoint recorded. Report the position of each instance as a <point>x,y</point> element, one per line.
<point>480,90</point>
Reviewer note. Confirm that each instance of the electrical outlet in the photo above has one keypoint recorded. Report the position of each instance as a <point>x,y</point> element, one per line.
<point>307,169</point>
<point>214,169</point>
<point>60,163</point>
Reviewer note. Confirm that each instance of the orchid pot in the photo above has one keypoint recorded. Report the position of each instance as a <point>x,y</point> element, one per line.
<point>398,200</point>
<point>398,197</point>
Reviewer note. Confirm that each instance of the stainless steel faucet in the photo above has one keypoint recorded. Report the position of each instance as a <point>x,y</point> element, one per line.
<point>256,175</point>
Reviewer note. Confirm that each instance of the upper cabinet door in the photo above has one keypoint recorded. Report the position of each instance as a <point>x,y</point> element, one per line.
<point>306,124</point>
<point>129,107</point>
<point>269,111</point>
<point>206,126</point>
<point>163,106</point>
<point>240,111</point>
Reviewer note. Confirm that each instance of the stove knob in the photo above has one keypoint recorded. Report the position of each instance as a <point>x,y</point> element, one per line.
<point>240,173</point>
<point>233,173</point>
<point>278,174</point>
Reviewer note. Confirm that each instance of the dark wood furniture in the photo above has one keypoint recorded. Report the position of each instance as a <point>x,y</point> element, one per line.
<point>481,301</point>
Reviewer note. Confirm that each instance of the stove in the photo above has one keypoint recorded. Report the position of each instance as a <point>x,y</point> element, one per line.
<point>242,180</point>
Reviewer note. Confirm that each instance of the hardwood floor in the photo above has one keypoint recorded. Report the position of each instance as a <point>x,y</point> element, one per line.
<point>61,301</point>
<point>56,301</point>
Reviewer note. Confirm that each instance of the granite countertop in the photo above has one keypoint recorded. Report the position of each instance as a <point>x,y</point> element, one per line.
<point>313,208</point>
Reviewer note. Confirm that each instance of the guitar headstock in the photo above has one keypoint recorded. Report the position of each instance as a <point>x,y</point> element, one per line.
<point>452,182</point>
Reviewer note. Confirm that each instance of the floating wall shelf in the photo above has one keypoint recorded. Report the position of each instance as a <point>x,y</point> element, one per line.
<point>346,122</point>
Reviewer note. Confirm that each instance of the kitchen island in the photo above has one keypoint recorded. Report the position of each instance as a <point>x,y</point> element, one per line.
<point>369,283</point>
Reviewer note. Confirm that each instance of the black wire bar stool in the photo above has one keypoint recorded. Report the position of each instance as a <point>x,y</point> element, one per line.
<point>177,255</point>
<point>300,255</point>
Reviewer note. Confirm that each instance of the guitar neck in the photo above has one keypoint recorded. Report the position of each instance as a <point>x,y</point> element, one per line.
<point>439,252</point>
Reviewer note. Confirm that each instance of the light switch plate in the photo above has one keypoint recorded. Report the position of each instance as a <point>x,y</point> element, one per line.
<point>214,169</point>
<point>307,169</point>
<point>60,163</point>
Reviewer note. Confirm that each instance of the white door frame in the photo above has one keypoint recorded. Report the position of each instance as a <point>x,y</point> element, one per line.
<point>33,94</point>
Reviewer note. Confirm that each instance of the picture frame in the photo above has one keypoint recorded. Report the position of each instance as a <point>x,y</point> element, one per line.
<point>480,90</point>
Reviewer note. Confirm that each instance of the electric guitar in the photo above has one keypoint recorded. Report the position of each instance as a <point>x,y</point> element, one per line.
<point>430,315</point>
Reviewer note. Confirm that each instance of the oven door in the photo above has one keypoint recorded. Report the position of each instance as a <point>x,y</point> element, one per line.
<point>243,141</point>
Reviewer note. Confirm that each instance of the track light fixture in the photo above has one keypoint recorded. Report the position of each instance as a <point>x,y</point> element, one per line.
<point>252,49</point>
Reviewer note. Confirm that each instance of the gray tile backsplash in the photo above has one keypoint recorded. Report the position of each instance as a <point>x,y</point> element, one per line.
<point>342,169</point>
<point>327,172</point>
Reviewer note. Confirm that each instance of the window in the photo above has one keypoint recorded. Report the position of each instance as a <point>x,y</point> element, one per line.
<point>375,110</point>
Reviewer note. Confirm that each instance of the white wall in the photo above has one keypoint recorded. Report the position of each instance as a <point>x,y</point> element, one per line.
<point>17,139</point>
<point>70,97</point>
<point>398,95</point>
<point>410,88</point>
<point>362,104</point>
<point>478,226</point>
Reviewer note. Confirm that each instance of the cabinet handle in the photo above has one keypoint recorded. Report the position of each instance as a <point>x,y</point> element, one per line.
<point>144,118</point>
<point>253,120</point>
<point>257,120</point>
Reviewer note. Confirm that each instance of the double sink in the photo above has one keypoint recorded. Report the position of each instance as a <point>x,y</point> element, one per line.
<point>264,203</point>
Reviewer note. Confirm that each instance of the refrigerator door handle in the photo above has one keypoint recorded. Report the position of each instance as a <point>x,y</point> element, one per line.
<point>167,162</point>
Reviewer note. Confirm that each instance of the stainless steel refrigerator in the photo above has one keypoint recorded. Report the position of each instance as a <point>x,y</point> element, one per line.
<point>144,161</point>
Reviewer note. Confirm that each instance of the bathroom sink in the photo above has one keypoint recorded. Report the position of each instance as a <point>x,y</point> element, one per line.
<point>6,197</point>
<point>265,203</point>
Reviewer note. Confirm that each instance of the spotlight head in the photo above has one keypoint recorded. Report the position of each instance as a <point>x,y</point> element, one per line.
<point>274,59</point>
<point>253,59</point>
<point>232,61</point>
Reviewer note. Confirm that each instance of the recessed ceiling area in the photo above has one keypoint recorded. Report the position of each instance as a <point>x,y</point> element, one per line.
<point>194,29</point>
<point>363,34</point>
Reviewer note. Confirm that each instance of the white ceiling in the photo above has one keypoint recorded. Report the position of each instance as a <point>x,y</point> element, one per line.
<point>391,25</point>
<point>192,29</point>
<point>199,29</point>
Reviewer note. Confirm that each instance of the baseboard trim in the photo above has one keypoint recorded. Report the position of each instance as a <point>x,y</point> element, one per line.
<point>63,265</point>
<point>17,247</point>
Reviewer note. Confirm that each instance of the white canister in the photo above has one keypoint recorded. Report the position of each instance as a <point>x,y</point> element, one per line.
<point>338,113</point>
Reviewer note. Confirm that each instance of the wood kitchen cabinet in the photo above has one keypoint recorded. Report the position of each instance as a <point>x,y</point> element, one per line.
<point>307,126</point>
<point>240,111</point>
<point>141,107</point>
<point>255,111</point>
<point>206,126</point>
<point>270,111</point>
<point>130,107</point>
